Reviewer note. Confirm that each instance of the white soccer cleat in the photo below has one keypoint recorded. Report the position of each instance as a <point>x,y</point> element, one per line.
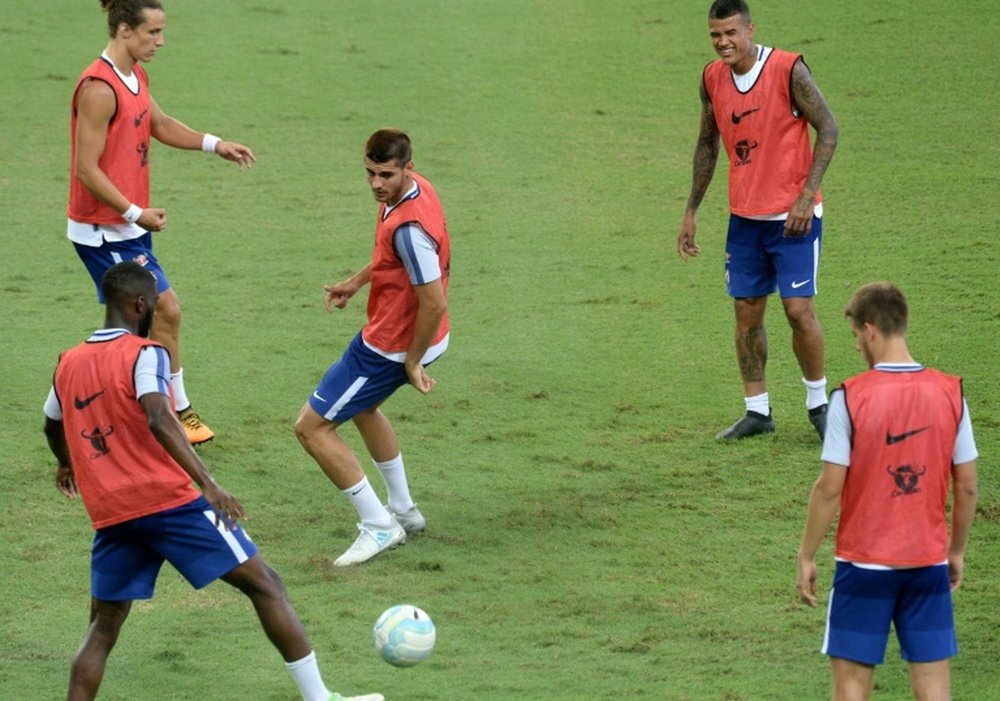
<point>366,697</point>
<point>411,520</point>
<point>370,542</point>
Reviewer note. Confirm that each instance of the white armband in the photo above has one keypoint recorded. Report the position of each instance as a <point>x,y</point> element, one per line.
<point>208,143</point>
<point>132,214</point>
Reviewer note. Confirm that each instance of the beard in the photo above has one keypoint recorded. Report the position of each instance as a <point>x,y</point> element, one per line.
<point>146,323</point>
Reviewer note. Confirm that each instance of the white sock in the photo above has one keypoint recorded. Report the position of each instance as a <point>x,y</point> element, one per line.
<point>394,475</point>
<point>759,403</point>
<point>181,401</point>
<point>370,509</point>
<point>308,679</point>
<point>815,392</point>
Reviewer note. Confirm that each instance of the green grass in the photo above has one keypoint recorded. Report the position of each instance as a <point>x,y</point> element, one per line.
<point>587,537</point>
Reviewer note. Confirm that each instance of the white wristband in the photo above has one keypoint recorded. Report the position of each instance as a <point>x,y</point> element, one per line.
<point>208,143</point>
<point>132,214</point>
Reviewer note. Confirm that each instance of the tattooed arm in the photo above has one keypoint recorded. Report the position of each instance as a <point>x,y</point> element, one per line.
<point>706,153</point>
<point>810,102</point>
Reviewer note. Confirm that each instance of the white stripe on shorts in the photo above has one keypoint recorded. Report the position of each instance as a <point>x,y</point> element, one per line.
<point>816,266</point>
<point>345,398</point>
<point>826,631</point>
<point>234,545</point>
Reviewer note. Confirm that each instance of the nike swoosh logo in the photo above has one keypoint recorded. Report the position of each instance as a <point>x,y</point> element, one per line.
<point>82,404</point>
<point>741,115</point>
<point>138,120</point>
<point>797,285</point>
<point>318,397</point>
<point>890,439</point>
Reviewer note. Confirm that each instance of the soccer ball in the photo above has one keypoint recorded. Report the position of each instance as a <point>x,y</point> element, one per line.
<point>404,635</point>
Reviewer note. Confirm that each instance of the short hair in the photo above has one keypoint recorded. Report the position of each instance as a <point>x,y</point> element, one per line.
<point>128,11</point>
<point>724,9</point>
<point>125,281</point>
<point>389,145</point>
<point>880,304</point>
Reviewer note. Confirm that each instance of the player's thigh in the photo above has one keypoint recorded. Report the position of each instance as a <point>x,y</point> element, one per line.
<point>123,566</point>
<point>860,611</point>
<point>925,621</point>
<point>750,271</point>
<point>796,261</point>
<point>360,381</point>
<point>199,548</point>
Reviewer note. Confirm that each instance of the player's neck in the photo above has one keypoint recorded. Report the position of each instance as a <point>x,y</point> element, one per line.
<point>119,56</point>
<point>893,351</point>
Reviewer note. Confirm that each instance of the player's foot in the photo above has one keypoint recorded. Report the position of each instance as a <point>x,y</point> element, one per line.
<point>752,424</point>
<point>817,417</point>
<point>371,541</point>
<point>196,431</point>
<point>365,697</point>
<point>412,520</point>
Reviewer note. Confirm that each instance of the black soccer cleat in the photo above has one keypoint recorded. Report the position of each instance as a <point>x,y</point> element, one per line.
<point>817,417</point>
<point>752,424</point>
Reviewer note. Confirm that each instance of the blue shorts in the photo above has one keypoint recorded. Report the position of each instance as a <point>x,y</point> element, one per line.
<point>127,557</point>
<point>761,259</point>
<point>360,380</point>
<point>864,602</point>
<point>98,259</point>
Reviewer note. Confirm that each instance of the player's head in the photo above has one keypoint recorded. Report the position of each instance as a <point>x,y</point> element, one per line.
<point>138,24</point>
<point>732,30</point>
<point>878,320</point>
<point>388,155</point>
<point>724,9</point>
<point>880,304</point>
<point>389,145</point>
<point>130,295</point>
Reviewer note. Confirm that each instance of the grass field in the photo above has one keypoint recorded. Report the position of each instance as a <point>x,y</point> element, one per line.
<point>587,536</point>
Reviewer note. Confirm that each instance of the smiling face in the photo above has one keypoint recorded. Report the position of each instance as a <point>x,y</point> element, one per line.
<point>732,38</point>
<point>389,181</point>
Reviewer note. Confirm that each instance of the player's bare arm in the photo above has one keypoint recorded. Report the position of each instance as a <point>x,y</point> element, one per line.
<point>170,434</point>
<point>431,309</point>
<point>823,504</point>
<point>65,479</point>
<point>95,106</point>
<point>338,295</point>
<point>175,133</point>
<point>810,102</point>
<point>964,497</point>
<point>706,155</point>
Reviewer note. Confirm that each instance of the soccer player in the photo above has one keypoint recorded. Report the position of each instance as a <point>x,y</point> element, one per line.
<point>896,436</point>
<point>110,217</point>
<point>407,329</point>
<point>760,101</point>
<point>110,423</point>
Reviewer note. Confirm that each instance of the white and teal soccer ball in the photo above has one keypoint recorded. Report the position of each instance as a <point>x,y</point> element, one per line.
<point>404,635</point>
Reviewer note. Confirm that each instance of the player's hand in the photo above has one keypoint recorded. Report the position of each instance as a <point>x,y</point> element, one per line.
<point>153,219</point>
<point>419,379</point>
<point>686,247</point>
<point>337,296</point>
<point>806,582</point>
<point>956,566</point>
<point>228,509</point>
<point>66,481</point>
<point>237,153</point>
<point>800,216</point>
